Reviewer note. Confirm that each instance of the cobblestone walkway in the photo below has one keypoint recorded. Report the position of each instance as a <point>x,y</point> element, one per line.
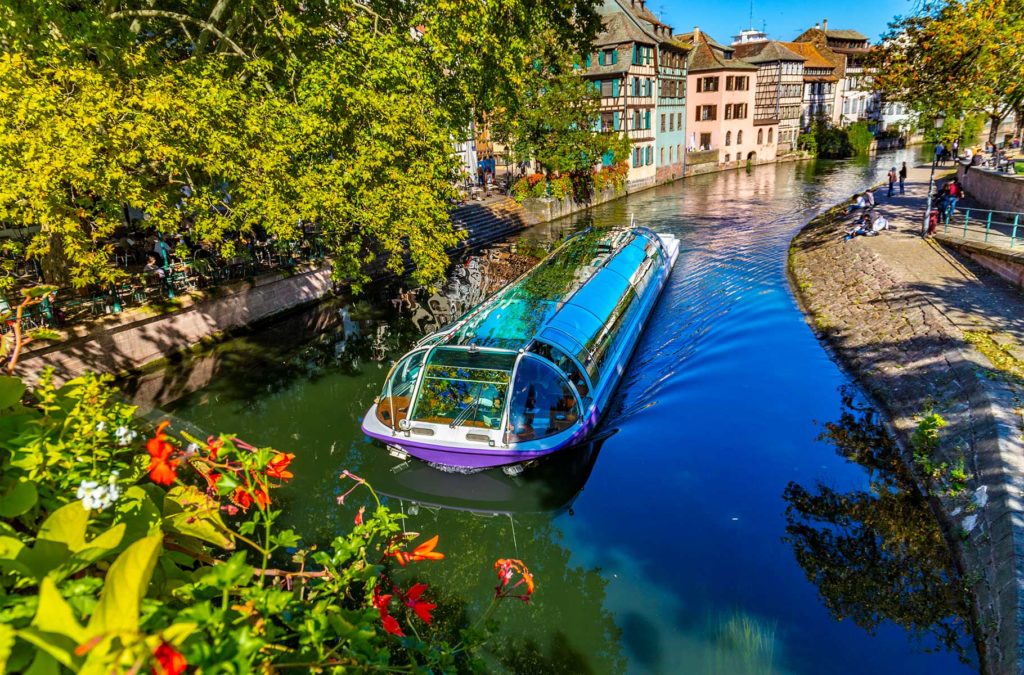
<point>895,309</point>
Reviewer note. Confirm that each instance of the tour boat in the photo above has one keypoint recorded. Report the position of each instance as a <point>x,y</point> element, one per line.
<point>532,369</point>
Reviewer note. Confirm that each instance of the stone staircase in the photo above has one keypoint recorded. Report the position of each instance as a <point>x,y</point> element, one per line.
<point>484,223</point>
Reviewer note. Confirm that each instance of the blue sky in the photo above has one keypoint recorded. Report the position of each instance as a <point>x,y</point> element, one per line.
<point>784,19</point>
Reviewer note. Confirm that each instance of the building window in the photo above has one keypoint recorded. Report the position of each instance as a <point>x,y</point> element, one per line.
<point>737,83</point>
<point>663,122</point>
<point>679,121</point>
<point>728,138</point>
<point>760,136</point>
<point>706,113</point>
<point>647,119</point>
<point>705,141</point>
<point>669,154</point>
<point>679,151</point>
<point>707,84</point>
<point>649,155</point>
<point>770,136</point>
<point>727,157</point>
<point>671,122</point>
<point>739,137</point>
<point>607,121</point>
<point>661,157</point>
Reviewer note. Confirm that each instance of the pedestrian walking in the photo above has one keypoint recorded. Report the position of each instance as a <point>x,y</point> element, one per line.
<point>892,180</point>
<point>903,178</point>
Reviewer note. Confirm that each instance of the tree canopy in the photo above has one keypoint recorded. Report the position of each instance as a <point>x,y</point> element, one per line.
<point>957,57</point>
<point>224,117</point>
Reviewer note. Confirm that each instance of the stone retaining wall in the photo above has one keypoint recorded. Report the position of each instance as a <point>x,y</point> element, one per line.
<point>1006,263</point>
<point>129,340</point>
<point>996,191</point>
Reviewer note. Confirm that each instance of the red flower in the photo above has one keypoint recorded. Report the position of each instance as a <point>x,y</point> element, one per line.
<point>161,466</point>
<point>380,602</point>
<point>422,609</point>
<point>245,498</point>
<point>213,445</point>
<point>359,516</point>
<point>169,660</point>
<point>507,569</point>
<point>278,465</point>
<point>424,551</point>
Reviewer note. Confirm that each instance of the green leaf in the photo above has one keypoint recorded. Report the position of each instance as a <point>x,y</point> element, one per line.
<point>55,629</point>
<point>66,525</point>
<point>138,512</point>
<point>11,391</point>
<point>38,291</point>
<point>6,645</point>
<point>43,664</point>
<point>189,512</point>
<point>124,588</point>
<point>18,499</point>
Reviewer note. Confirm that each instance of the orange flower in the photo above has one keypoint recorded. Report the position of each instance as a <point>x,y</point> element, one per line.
<point>424,551</point>
<point>278,465</point>
<point>161,465</point>
<point>507,569</point>
<point>169,660</point>
<point>245,498</point>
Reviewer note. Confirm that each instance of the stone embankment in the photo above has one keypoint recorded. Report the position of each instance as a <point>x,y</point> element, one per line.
<point>925,331</point>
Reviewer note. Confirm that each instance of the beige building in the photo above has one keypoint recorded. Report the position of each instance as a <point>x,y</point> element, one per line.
<point>720,103</point>
<point>780,90</point>
<point>623,69</point>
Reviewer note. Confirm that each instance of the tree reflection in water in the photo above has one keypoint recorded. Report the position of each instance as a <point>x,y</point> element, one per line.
<point>878,554</point>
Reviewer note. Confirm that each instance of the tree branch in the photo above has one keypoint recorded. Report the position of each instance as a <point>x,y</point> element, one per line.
<point>183,18</point>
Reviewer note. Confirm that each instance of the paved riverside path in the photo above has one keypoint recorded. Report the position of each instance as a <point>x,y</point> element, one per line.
<point>895,308</point>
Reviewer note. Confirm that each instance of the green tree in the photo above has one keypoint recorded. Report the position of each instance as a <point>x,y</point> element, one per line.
<point>956,57</point>
<point>222,117</point>
<point>556,126</point>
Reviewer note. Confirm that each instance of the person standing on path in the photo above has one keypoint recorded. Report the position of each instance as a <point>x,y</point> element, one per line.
<point>892,180</point>
<point>903,178</point>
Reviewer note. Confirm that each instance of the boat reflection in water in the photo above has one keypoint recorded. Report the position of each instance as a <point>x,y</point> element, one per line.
<point>531,370</point>
<point>547,487</point>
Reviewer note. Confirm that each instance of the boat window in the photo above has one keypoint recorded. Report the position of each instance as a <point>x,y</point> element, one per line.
<point>543,403</point>
<point>564,363</point>
<point>617,330</point>
<point>393,406</point>
<point>464,388</point>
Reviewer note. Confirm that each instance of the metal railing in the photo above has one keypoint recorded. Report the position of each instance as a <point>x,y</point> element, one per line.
<point>1000,228</point>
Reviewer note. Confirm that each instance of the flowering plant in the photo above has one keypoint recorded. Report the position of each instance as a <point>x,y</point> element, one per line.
<point>124,551</point>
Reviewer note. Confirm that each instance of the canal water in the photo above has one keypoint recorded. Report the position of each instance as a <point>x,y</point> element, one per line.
<point>740,512</point>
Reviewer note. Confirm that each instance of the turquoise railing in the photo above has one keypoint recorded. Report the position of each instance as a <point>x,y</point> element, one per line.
<point>986,225</point>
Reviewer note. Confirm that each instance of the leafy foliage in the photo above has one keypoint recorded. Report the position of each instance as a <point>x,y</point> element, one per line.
<point>956,57</point>
<point>128,573</point>
<point>860,137</point>
<point>222,118</point>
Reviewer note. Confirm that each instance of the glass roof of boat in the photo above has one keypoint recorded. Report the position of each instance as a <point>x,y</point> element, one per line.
<point>514,316</point>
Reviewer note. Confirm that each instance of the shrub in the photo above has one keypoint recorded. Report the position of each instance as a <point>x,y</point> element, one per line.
<point>120,554</point>
<point>860,138</point>
<point>808,143</point>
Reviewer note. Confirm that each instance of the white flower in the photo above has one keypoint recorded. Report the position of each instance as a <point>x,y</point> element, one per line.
<point>124,435</point>
<point>98,497</point>
<point>101,426</point>
<point>192,448</point>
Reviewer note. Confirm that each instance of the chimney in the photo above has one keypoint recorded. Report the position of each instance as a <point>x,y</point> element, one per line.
<point>696,34</point>
<point>824,25</point>
<point>817,26</point>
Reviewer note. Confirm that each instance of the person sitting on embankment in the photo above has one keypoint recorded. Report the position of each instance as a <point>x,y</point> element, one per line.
<point>868,225</point>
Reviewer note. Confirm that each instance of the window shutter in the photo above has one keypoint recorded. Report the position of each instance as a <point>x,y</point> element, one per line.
<point>615,56</point>
<point>615,90</point>
<point>588,60</point>
<point>615,120</point>
<point>647,120</point>
<point>634,55</point>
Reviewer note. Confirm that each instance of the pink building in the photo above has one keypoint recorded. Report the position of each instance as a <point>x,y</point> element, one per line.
<point>720,101</point>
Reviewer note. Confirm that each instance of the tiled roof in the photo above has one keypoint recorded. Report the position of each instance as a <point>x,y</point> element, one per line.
<point>766,52</point>
<point>703,57</point>
<point>687,38</point>
<point>813,58</point>
<point>618,29</point>
<point>845,34</point>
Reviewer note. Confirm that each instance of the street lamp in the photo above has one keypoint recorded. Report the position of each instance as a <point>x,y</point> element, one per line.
<point>940,120</point>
